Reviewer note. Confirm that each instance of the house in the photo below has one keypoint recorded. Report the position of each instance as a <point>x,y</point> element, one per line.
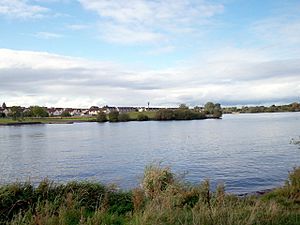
<point>93,111</point>
<point>55,111</point>
<point>127,109</point>
<point>107,109</point>
<point>75,112</point>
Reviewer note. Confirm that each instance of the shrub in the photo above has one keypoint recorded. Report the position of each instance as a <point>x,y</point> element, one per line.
<point>164,114</point>
<point>156,179</point>
<point>113,116</point>
<point>65,114</point>
<point>101,117</point>
<point>142,117</point>
<point>123,117</point>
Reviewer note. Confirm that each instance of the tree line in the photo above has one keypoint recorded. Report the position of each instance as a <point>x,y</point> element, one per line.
<point>183,112</point>
<point>293,107</point>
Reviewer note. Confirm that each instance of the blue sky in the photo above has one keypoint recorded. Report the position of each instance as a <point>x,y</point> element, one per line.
<point>79,53</point>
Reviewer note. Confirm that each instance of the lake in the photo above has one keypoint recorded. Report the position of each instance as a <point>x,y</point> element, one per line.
<point>248,152</point>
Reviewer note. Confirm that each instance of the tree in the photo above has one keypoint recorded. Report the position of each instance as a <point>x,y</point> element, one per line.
<point>16,112</point>
<point>209,107</point>
<point>113,116</point>
<point>123,117</point>
<point>66,114</point>
<point>183,106</point>
<point>4,105</point>
<point>2,115</point>
<point>37,111</point>
<point>213,109</point>
<point>101,117</point>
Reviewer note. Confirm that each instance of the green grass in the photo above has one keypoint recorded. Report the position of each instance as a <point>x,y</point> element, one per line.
<point>162,199</point>
<point>46,120</point>
<point>134,115</point>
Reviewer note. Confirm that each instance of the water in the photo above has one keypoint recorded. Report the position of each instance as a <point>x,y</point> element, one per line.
<point>247,152</point>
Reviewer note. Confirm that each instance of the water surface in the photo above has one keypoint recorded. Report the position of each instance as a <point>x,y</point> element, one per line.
<point>247,152</point>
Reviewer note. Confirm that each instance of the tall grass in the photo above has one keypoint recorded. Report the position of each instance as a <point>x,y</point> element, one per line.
<point>162,199</point>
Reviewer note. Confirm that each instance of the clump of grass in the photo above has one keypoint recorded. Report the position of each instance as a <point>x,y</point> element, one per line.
<point>156,180</point>
<point>162,200</point>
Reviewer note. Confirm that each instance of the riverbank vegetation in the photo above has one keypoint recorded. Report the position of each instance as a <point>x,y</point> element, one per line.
<point>210,110</point>
<point>293,107</point>
<point>38,114</point>
<point>162,199</point>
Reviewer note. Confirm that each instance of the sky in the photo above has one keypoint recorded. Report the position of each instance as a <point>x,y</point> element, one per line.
<point>78,53</point>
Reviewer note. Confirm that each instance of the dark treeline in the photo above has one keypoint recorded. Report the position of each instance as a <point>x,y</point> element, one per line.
<point>183,112</point>
<point>293,107</point>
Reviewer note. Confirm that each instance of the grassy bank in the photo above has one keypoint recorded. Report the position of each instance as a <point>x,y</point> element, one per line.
<point>162,199</point>
<point>134,115</point>
<point>46,120</point>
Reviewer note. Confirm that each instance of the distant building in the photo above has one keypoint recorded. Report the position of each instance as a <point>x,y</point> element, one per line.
<point>107,109</point>
<point>55,111</point>
<point>127,109</point>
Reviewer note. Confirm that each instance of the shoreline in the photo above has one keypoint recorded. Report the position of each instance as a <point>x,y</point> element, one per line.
<point>92,120</point>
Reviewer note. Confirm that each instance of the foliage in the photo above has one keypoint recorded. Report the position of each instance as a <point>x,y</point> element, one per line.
<point>164,114</point>
<point>123,117</point>
<point>142,117</point>
<point>113,116</point>
<point>293,107</point>
<point>101,117</point>
<point>36,111</point>
<point>156,180</point>
<point>213,109</point>
<point>16,112</point>
<point>65,114</point>
<point>2,115</point>
<point>183,106</point>
<point>162,200</point>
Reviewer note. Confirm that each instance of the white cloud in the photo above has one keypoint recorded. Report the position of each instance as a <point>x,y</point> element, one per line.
<point>229,76</point>
<point>78,26</point>
<point>137,21</point>
<point>21,9</point>
<point>280,29</point>
<point>47,35</point>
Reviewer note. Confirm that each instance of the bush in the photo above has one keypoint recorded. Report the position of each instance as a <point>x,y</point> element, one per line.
<point>156,179</point>
<point>123,117</point>
<point>113,116</point>
<point>65,114</point>
<point>164,114</point>
<point>185,114</point>
<point>142,117</point>
<point>101,117</point>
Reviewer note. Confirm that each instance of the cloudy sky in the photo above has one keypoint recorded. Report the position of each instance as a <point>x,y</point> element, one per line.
<point>78,53</point>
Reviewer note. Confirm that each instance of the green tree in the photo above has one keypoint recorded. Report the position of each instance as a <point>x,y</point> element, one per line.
<point>16,112</point>
<point>113,116</point>
<point>37,111</point>
<point>101,117</point>
<point>213,109</point>
<point>209,108</point>
<point>123,117</point>
<point>66,114</point>
<point>183,106</point>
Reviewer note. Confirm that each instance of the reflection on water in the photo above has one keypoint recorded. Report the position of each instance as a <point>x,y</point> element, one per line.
<point>246,152</point>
